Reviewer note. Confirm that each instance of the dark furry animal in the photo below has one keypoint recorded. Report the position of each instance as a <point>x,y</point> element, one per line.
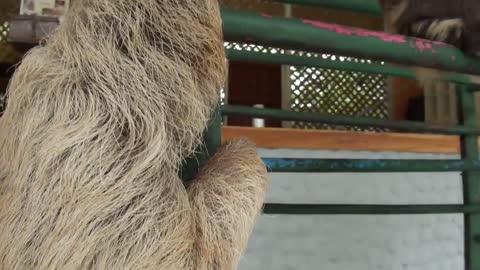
<point>456,22</point>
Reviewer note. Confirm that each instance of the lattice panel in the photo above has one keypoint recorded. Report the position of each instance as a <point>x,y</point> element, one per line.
<point>331,91</point>
<point>222,96</point>
<point>338,92</point>
<point>252,48</point>
<point>3,31</point>
<point>8,53</point>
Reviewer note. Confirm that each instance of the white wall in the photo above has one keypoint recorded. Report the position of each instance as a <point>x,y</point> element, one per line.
<point>410,242</point>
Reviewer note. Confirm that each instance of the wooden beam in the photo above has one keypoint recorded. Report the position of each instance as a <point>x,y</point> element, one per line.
<point>345,140</point>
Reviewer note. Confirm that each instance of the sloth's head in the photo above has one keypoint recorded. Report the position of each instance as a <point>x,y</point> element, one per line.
<point>170,53</point>
<point>146,74</point>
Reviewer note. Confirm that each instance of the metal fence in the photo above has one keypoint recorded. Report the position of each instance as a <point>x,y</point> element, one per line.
<point>317,37</point>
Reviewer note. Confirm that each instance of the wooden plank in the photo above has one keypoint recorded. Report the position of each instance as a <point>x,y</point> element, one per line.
<point>344,140</point>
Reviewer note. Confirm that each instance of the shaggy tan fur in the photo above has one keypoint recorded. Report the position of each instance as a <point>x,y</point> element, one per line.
<point>98,122</point>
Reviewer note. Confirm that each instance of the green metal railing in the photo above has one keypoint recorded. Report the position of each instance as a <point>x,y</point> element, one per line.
<point>295,34</point>
<point>408,126</point>
<point>211,141</point>
<point>296,60</point>
<point>367,6</point>
<point>320,37</point>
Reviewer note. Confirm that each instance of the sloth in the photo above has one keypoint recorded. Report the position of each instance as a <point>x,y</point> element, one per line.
<point>100,118</point>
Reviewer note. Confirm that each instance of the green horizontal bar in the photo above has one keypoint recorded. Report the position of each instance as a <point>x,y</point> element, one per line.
<point>368,6</point>
<point>298,34</point>
<point>296,60</point>
<point>331,209</point>
<point>293,165</point>
<point>406,126</point>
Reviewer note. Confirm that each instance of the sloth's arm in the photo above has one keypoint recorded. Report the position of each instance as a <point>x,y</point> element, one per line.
<point>226,198</point>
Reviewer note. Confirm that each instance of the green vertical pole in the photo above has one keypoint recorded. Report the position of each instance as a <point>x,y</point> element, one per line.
<point>211,142</point>
<point>471,180</point>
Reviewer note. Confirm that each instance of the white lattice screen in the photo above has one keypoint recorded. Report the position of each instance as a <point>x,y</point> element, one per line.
<point>3,31</point>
